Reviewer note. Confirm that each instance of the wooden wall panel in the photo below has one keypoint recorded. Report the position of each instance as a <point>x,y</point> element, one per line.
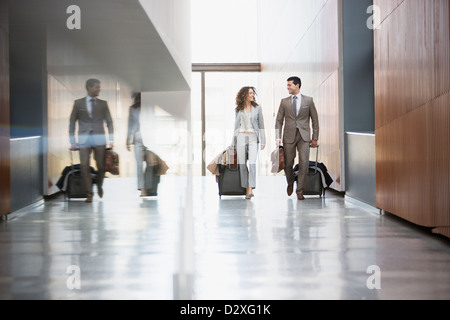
<point>5,193</point>
<point>404,46</point>
<point>387,6</point>
<point>402,167</point>
<point>439,159</point>
<point>412,98</point>
<point>441,41</point>
<point>445,231</point>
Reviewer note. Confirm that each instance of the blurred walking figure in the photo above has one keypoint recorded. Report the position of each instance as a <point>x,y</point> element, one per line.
<point>248,133</point>
<point>91,114</point>
<point>134,137</point>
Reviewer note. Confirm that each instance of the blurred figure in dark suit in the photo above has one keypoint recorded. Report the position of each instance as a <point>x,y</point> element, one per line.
<point>91,114</point>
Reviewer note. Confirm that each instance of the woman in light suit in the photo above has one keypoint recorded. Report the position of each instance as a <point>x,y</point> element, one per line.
<point>248,133</point>
<point>134,136</point>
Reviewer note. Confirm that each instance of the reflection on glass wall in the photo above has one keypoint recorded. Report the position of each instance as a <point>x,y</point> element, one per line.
<point>164,127</point>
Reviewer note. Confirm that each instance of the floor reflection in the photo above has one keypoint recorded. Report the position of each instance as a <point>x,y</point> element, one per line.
<point>165,247</point>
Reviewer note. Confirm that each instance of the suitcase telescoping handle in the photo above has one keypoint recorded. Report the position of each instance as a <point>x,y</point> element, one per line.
<point>232,150</point>
<point>71,150</point>
<point>317,158</point>
<point>231,166</point>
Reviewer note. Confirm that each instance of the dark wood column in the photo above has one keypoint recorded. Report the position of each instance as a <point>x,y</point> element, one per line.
<point>5,192</point>
<point>412,90</point>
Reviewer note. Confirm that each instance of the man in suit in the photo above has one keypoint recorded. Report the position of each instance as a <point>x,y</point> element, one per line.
<point>296,113</point>
<point>91,114</point>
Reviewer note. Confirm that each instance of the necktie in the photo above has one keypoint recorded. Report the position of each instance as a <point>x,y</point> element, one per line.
<point>294,105</point>
<point>92,106</point>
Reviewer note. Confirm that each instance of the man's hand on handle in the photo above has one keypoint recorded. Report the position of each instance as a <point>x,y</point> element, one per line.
<point>314,144</point>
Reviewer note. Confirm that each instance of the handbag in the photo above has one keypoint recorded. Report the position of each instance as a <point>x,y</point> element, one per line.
<point>231,157</point>
<point>112,162</point>
<point>228,158</point>
<point>278,161</point>
<point>153,160</point>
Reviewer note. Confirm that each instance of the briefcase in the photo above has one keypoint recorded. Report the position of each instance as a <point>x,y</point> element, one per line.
<point>277,158</point>
<point>112,162</point>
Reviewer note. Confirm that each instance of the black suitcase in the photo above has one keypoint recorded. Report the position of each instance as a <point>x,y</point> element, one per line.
<point>151,181</point>
<point>75,186</point>
<point>229,181</point>
<point>71,181</point>
<point>313,182</point>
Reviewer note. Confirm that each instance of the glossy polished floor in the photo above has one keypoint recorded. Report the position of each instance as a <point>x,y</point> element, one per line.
<point>189,244</point>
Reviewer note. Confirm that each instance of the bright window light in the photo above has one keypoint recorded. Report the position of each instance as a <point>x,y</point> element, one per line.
<point>224,31</point>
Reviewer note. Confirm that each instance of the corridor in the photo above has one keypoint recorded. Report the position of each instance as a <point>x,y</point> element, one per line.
<point>271,248</point>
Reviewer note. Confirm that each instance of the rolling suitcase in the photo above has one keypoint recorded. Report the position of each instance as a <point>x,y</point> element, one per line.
<point>71,181</point>
<point>229,179</point>
<point>313,182</point>
<point>152,181</point>
<point>75,186</point>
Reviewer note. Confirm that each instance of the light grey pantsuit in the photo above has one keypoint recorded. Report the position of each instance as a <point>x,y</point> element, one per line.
<point>247,144</point>
<point>139,152</point>
<point>134,137</point>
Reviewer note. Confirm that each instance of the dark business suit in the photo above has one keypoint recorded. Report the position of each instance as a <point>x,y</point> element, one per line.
<point>297,136</point>
<point>91,137</point>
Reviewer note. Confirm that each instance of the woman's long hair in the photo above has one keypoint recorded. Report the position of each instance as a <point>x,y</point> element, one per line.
<point>242,97</point>
<point>136,99</point>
